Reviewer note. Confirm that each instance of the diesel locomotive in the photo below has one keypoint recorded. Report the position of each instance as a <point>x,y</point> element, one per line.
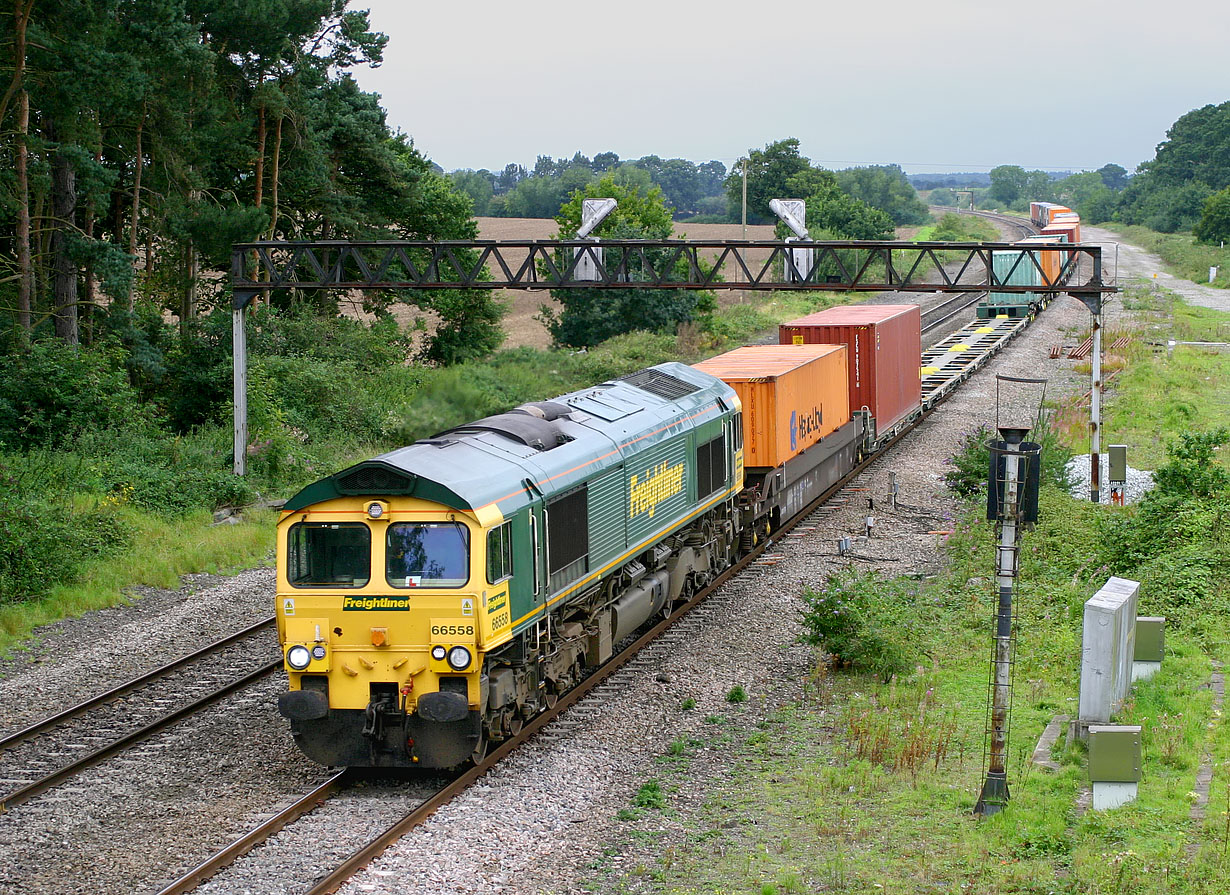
<point>433,599</point>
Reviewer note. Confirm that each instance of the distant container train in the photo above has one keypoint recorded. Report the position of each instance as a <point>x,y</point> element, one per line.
<point>1056,224</point>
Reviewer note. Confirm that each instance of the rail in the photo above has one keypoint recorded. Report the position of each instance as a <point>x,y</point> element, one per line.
<point>44,725</point>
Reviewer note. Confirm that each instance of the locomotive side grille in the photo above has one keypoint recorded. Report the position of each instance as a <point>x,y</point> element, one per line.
<point>664,385</point>
<point>568,536</point>
<point>710,466</point>
<point>374,480</point>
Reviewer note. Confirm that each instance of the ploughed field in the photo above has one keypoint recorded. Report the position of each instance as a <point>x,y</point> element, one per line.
<point>523,305</point>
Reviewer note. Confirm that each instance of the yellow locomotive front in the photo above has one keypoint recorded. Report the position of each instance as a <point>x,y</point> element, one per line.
<point>383,618</point>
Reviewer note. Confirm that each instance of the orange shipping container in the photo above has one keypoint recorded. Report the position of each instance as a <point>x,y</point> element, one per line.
<point>792,396</point>
<point>1050,262</point>
<point>1070,229</point>
<point>1053,210</point>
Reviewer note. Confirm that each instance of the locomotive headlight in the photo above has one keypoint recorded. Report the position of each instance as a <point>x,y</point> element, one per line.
<point>438,652</point>
<point>318,652</point>
<point>375,510</point>
<point>459,658</point>
<point>298,657</point>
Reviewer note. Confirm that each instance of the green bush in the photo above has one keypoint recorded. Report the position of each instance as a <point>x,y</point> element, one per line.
<point>52,392</point>
<point>970,466</point>
<point>338,358</point>
<point>1192,468</point>
<point>1214,223</point>
<point>1173,541</point>
<point>43,543</point>
<point>863,620</point>
<point>168,475</point>
<point>466,392</point>
<point>314,397</point>
<point>964,228</point>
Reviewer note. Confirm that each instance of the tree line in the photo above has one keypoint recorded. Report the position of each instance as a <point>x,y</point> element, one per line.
<point>540,192</point>
<point>146,136</point>
<point>698,192</point>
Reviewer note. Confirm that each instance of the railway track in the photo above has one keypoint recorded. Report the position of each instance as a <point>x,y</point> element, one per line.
<point>1024,226</point>
<point>51,751</point>
<point>949,310</point>
<point>631,655</point>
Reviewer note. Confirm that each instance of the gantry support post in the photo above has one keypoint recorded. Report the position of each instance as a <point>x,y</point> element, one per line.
<point>240,301</point>
<point>1093,301</point>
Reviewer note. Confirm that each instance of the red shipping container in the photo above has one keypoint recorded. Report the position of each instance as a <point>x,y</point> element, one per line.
<point>884,344</point>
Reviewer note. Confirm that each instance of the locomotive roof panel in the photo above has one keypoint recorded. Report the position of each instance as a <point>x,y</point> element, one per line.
<point>553,445</point>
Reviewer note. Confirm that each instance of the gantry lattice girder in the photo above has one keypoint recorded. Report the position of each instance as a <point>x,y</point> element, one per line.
<point>857,266</point>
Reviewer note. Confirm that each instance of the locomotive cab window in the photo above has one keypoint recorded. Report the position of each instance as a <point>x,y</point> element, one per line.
<point>329,554</point>
<point>427,554</point>
<point>738,431</point>
<point>499,553</point>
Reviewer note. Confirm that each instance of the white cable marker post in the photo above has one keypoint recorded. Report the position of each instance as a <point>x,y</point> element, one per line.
<point>793,213</point>
<point>588,260</point>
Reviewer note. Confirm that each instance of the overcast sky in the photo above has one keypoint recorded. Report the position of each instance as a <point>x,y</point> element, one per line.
<point>951,85</point>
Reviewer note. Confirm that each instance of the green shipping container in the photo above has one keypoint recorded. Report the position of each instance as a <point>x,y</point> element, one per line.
<point>1013,269</point>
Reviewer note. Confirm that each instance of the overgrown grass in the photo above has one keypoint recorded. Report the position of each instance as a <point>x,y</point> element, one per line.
<point>1157,393</point>
<point>953,227</point>
<point>871,787</point>
<point>166,552</point>
<point>1183,256</point>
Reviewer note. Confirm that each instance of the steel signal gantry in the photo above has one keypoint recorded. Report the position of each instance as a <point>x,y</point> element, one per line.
<point>853,266</point>
<point>837,266</point>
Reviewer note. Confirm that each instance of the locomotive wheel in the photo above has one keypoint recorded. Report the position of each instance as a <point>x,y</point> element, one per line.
<point>480,751</point>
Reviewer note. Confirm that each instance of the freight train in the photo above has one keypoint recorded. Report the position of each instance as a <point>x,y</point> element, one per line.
<point>433,599</point>
<point>1056,224</point>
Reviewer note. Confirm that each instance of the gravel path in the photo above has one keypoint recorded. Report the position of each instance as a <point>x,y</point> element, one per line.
<point>1134,261</point>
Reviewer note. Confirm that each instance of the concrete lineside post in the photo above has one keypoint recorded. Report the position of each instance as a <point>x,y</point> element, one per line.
<point>239,345</point>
